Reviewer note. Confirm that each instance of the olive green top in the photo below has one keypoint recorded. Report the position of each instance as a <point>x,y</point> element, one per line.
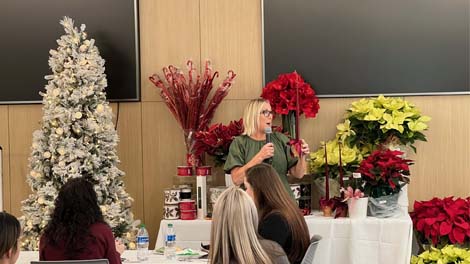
<point>244,148</point>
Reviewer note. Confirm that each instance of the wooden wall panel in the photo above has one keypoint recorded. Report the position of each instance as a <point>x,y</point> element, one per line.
<point>442,164</point>
<point>163,150</point>
<point>169,34</point>
<point>231,39</point>
<point>23,120</point>
<point>130,152</point>
<point>5,144</point>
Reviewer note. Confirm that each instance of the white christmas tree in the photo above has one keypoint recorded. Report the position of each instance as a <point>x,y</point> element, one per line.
<point>76,138</point>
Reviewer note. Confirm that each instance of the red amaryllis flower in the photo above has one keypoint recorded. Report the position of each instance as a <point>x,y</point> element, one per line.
<point>281,94</point>
<point>385,172</point>
<point>442,221</point>
<point>290,93</point>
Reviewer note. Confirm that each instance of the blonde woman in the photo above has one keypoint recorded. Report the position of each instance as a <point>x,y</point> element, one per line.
<point>234,239</point>
<point>251,148</point>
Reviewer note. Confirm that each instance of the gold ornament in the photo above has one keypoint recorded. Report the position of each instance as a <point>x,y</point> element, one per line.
<point>61,151</point>
<point>77,130</point>
<point>54,123</point>
<point>78,115</point>
<point>99,108</point>
<point>46,154</point>
<point>59,131</point>
<point>61,163</point>
<point>56,92</point>
<point>103,208</point>
<point>132,245</point>
<point>41,200</point>
<point>34,174</point>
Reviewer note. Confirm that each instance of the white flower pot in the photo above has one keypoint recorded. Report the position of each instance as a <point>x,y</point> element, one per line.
<point>358,207</point>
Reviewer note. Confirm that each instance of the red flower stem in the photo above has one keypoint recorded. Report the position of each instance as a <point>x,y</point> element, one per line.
<point>297,112</point>
<point>340,167</point>
<point>327,180</point>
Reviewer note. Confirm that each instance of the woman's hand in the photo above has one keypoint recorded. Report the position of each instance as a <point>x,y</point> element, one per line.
<point>120,247</point>
<point>266,152</point>
<point>304,148</point>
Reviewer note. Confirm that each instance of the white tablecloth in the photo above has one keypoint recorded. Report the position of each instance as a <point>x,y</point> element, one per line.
<point>130,257</point>
<point>344,241</point>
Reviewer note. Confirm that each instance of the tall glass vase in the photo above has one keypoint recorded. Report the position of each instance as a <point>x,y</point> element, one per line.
<point>192,159</point>
<point>288,123</point>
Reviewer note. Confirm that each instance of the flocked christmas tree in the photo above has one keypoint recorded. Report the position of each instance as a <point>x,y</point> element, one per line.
<point>76,138</point>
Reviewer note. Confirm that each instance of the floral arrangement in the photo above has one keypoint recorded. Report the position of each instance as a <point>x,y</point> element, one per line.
<point>442,221</point>
<point>384,172</point>
<point>290,96</point>
<point>350,193</point>
<point>282,95</point>
<point>375,121</point>
<point>449,254</point>
<point>217,139</point>
<point>350,158</point>
<point>188,98</point>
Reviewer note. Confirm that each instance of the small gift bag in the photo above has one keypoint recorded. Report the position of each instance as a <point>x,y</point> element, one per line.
<point>384,206</point>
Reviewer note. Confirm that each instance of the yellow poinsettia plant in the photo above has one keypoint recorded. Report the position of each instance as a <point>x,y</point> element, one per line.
<point>373,121</point>
<point>446,255</point>
<point>350,158</point>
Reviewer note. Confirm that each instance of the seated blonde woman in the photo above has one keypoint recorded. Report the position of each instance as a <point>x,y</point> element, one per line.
<point>234,238</point>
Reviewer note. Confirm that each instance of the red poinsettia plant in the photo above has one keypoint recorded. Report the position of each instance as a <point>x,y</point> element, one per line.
<point>289,93</point>
<point>217,139</point>
<point>384,172</point>
<point>442,221</point>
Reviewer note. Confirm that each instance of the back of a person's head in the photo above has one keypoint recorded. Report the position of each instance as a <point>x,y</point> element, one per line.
<point>269,192</point>
<point>10,231</point>
<point>234,237</point>
<point>271,196</point>
<point>76,209</point>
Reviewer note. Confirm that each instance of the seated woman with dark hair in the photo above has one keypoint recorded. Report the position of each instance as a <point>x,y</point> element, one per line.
<point>10,231</point>
<point>280,217</point>
<point>77,230</point>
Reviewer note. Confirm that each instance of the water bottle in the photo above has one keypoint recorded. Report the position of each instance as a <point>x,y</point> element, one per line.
<point>142,243</point>
<point>170,241</point>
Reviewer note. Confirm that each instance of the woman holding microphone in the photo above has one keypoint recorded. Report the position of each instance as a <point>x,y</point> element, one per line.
<point>258,144</point>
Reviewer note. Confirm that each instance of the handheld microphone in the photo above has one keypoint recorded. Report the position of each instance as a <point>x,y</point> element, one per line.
<point>268,131</point>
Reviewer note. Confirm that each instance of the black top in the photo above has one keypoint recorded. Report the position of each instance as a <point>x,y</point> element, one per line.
<point>274,227</point>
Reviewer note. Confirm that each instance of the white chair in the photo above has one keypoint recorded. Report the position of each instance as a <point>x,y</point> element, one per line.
<point>88,261</point>
<point>308,258</point>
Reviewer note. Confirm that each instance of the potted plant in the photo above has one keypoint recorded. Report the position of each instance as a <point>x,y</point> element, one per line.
<point>190,100</point>
<point>449,254</point>
<point>384,173</point>
<point>442,221</point>
<point>383,121</point>
<point>357,202</point>
<point>217,139</point>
